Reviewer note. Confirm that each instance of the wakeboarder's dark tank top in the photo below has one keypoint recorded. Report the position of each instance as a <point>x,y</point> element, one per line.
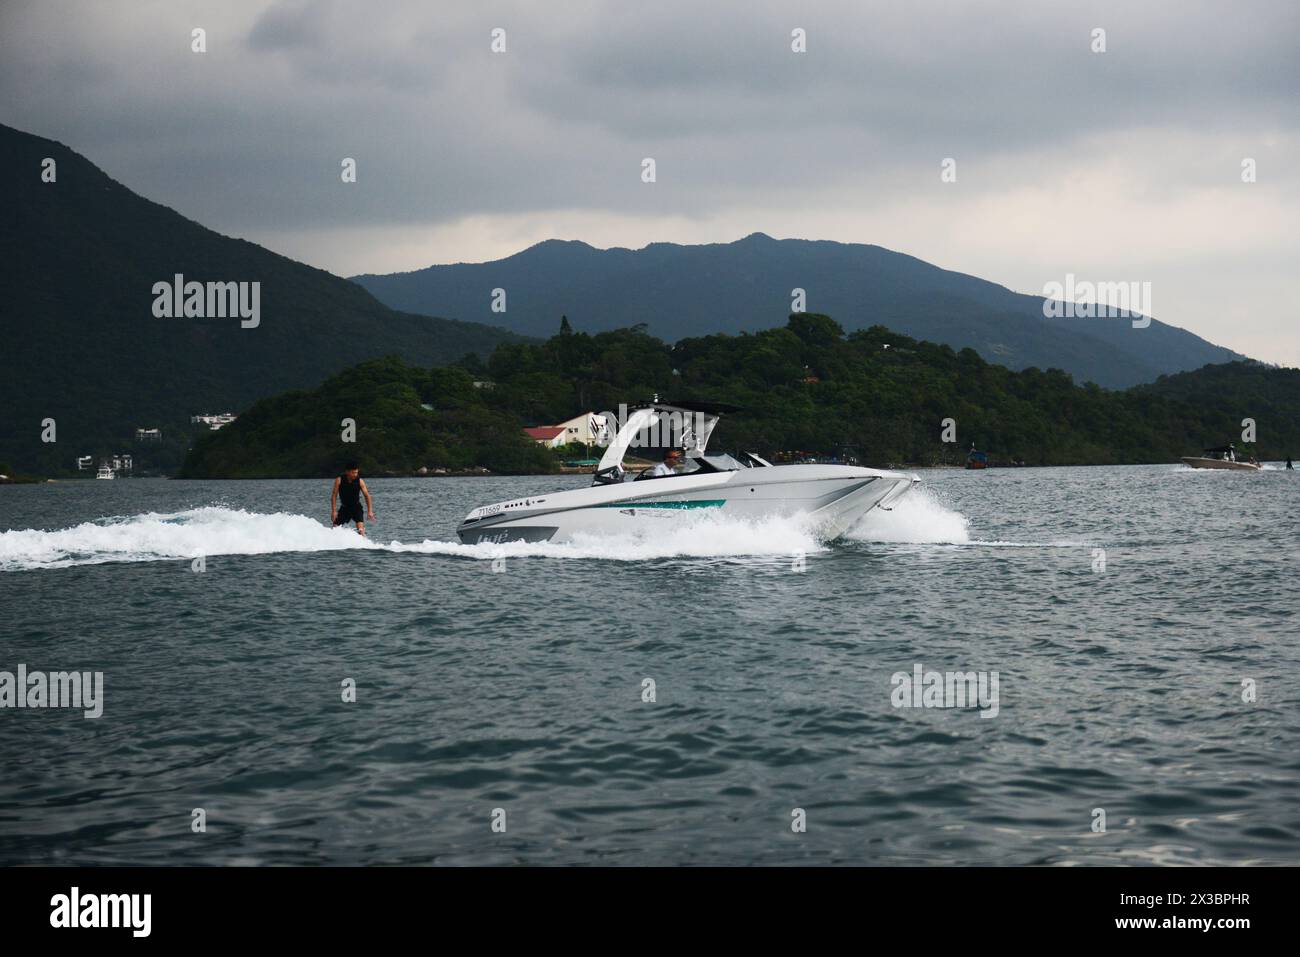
<point>349,492</point>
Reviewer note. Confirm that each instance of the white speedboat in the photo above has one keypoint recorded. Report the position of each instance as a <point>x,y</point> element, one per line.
<point>105,472</point>
<point>832,497</point>
<point>1224,457</point>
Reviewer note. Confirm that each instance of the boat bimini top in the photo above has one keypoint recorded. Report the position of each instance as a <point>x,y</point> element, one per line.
<point>679,424</point>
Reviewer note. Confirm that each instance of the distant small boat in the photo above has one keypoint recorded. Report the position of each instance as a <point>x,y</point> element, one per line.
<point>105,473</point>
<point>1224,457</point>
<point>976,459</point>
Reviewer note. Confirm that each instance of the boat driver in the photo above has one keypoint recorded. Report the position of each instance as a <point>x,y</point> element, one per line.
<point>669,466</point>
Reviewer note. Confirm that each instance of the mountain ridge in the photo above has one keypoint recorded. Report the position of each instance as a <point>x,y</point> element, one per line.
<point>79,258</point>
<point>680,290</point>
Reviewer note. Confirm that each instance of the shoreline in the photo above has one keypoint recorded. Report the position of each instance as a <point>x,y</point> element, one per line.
<point>1269,465</point>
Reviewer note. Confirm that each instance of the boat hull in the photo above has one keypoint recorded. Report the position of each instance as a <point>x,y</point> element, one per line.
<point>830,498</point>
<point>1198,462</point>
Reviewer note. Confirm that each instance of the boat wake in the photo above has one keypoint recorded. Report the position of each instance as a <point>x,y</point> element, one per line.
<point>157,536</point>
<point>215,530</point>
<point>918,518</point>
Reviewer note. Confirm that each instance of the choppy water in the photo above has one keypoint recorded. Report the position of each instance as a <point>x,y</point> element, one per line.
<point>521,688</point>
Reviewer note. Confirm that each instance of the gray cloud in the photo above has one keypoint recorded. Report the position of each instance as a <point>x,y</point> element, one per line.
<point>464,154</point>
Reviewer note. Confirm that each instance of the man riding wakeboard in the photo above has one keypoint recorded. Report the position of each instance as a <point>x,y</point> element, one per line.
<point>345,499</point>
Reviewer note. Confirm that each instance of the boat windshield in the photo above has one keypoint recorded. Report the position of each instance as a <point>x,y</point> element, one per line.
<point>719,463</point>
<point>696,464</point>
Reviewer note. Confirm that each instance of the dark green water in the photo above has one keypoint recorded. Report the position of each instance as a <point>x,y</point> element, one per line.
<point>519,686</point>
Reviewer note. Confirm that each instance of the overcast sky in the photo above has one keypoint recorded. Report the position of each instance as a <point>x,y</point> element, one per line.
<point>1115,166</point>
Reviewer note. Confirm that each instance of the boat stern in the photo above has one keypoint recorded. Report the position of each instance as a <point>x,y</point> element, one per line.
<point>520,520</point>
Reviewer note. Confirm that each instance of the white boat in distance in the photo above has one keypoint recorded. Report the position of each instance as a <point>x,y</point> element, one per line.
<point>833,497</point>
<point>1224,457</point>
<point>105,473</point>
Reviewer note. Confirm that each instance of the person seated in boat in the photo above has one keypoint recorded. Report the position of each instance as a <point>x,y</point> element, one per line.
<point>671,465</point>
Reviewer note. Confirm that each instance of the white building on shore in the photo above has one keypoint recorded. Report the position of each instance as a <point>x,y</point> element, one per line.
<point>586,429</point>
<point>214,422</point>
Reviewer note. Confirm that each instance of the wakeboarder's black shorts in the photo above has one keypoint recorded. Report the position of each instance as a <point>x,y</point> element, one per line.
<point>349,513</point>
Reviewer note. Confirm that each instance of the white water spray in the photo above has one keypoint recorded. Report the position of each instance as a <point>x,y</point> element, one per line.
<point>214,530</point>
<point>917,518</point>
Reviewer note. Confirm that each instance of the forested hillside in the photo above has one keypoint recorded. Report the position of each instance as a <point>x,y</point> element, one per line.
<point>810,387</point>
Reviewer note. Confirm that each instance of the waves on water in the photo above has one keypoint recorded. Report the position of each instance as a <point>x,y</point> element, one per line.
<point>215,530</point>
<point>156,536</point>
<point>919,518</point>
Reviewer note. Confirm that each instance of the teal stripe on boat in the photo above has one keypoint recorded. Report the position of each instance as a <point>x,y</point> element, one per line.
<point>702,503</point>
